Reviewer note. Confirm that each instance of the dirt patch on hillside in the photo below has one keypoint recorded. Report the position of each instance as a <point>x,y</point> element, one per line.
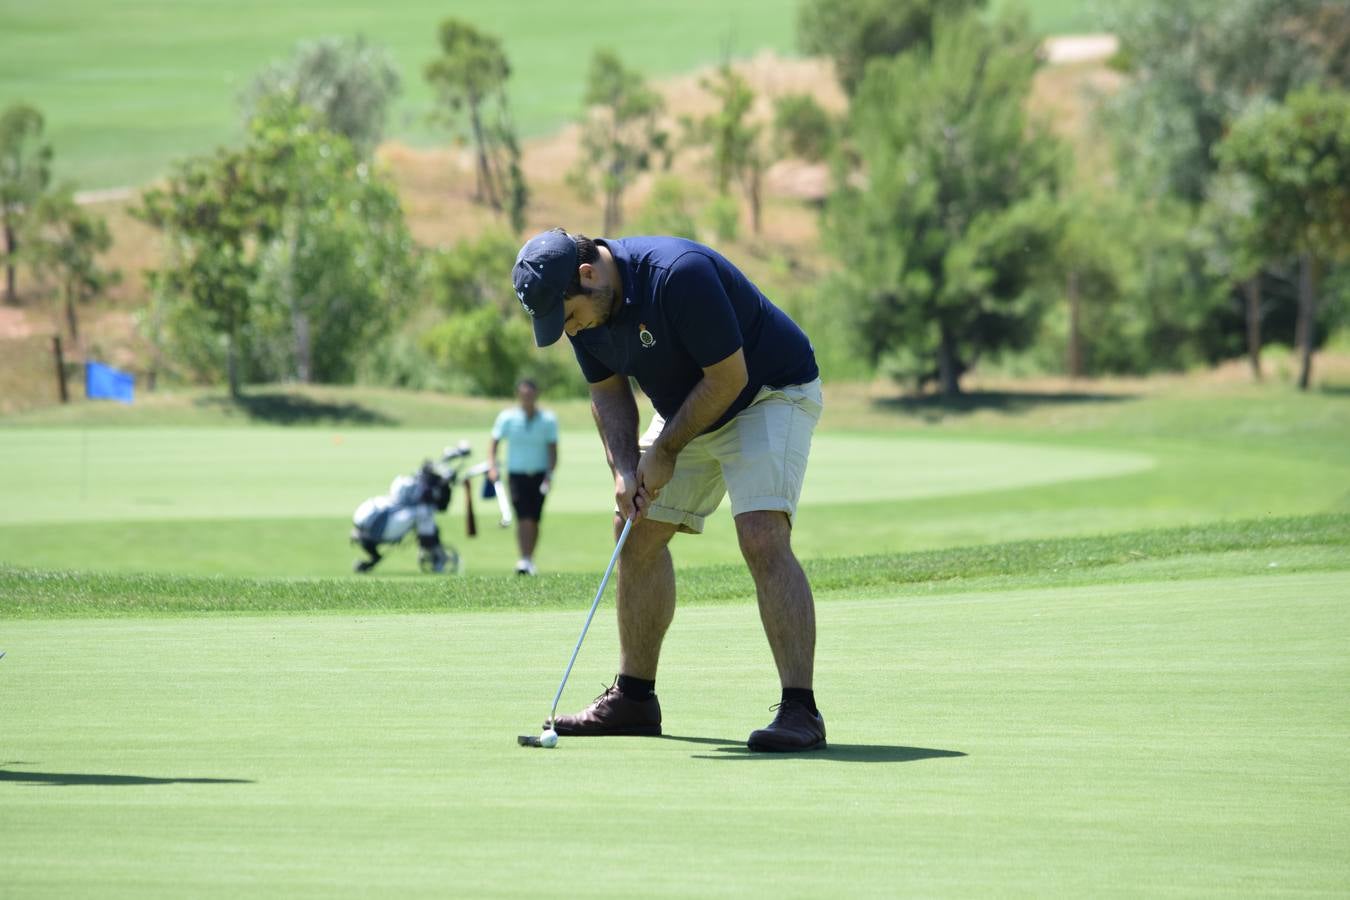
<point>1069,49</point>
<point>437,185</point>
<point>15,324</point>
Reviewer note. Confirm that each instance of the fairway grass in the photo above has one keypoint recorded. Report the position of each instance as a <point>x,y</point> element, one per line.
<point>194,484</point>
<point>154,474</point>
<point>1160,733</point>
<point>277,502</point>
<point>128,87</point>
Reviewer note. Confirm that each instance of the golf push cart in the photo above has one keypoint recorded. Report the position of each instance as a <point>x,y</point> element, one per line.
<point>412,504</point>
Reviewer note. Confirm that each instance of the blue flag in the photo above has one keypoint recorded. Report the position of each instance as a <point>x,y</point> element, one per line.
<point>102,381</point>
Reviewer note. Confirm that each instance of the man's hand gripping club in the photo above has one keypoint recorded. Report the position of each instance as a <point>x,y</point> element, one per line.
<point>638,481</point>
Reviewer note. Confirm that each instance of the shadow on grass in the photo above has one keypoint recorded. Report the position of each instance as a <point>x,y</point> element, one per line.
<point>936,406</point>
<point>279,408</point>
<point>867,753</point>
<point>76,779</point>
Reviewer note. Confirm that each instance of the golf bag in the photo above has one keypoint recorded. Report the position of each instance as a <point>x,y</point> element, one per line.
<point>411,504</point>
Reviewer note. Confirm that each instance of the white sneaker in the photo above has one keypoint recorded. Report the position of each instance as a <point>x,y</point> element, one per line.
<point>529,567</point>
<point>523,567</point>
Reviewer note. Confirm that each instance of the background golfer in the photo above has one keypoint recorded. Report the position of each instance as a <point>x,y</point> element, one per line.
<point>531,436</point>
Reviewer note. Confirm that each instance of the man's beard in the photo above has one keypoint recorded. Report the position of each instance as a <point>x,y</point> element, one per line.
<point>603,298</point>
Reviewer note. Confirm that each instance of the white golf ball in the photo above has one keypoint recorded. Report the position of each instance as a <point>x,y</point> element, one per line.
<point>549,738</point>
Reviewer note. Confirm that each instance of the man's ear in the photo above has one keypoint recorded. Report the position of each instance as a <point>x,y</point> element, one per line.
<point>586,271</point>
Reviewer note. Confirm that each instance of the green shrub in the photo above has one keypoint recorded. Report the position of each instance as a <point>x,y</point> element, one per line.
<point>667,210</point>
<point>803,128</point>
<point>724,217</point>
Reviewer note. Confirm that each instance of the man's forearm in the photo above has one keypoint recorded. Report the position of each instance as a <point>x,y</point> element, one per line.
<point>616,418</point>
<point>704,405</point>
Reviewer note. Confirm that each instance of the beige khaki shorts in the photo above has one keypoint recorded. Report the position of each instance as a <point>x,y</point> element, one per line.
<point>759,458</point>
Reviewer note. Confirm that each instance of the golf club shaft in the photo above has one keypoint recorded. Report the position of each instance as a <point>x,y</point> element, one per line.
<point>623,536</point>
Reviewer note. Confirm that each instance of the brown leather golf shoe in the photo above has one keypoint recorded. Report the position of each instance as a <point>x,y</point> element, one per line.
<point>612,713</point>
<point>793,729</point>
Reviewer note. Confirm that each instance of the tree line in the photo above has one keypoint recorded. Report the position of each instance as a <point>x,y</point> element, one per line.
<point>961,228</point>
<point>967,231</point>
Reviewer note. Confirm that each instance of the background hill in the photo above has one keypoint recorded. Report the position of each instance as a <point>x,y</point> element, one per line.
<point>130,86</point>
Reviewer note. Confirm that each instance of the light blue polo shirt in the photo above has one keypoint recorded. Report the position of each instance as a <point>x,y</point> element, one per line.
<point>527,440</point>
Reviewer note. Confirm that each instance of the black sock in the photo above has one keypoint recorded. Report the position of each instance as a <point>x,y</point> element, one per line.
<point>802,695</point>
<point>636,688</point>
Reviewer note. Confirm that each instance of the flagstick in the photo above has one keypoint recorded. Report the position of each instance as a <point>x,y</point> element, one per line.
<point>84,463</point>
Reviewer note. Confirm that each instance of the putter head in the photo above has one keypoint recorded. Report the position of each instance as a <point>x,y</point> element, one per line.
<point>528,740</point>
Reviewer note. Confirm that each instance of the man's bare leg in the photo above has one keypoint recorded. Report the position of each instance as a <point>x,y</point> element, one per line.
<point>788,612</point>
<point>786,606</point>
<point>527,536</point>
<point>646,597</point>
<point>646,605</point>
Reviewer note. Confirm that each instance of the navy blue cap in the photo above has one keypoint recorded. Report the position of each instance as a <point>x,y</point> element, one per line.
<point>544,268</point>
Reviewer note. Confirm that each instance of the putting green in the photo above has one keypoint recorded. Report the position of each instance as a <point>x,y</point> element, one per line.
<point>148,474</point>
<point>1187,736</point>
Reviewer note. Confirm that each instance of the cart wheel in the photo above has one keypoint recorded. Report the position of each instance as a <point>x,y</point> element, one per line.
<point>443,560</point>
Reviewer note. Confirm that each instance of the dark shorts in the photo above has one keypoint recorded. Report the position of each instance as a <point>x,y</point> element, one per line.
<point>526,498</point>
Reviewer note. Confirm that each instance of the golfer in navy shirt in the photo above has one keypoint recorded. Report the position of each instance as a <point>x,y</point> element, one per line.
<point>737,395</point>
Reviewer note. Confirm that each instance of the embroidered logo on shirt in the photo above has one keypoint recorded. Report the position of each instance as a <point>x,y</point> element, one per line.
<point>645,336</point>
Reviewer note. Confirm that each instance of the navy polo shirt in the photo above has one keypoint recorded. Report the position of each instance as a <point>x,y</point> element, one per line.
<point>685,307</point>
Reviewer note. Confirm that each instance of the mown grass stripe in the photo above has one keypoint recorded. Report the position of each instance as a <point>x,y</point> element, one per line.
<point>29,593</point>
